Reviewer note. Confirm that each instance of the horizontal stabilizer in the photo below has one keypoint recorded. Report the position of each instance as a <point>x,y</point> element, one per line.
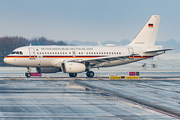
<point>154,51</point>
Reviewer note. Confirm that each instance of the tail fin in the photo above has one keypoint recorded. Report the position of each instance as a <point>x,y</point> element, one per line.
<point>147,36</point>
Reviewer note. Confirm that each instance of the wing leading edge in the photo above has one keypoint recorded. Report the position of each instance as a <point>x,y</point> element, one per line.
<point>102,59</point>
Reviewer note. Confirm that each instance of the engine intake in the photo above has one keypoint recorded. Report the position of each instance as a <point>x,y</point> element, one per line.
<point>71,67</point>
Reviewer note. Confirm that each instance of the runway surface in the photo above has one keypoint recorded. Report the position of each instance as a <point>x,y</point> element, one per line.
<point>89,99</point>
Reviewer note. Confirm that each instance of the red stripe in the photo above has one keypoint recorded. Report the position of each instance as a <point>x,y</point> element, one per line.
<point>72,56</point>
<point>140,56</point>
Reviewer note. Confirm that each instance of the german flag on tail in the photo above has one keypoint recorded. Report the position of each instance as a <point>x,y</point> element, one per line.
<point>150,25</point>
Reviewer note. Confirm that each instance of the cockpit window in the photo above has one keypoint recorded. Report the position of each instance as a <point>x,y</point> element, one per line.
<point>13,52</point>
<point>17,52</point>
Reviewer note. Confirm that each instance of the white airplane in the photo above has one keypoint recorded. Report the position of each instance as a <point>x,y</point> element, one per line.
<point>77,59</point>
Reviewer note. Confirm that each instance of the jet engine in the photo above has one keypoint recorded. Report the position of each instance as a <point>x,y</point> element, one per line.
<point>48,70</point>
<point>72,67</point>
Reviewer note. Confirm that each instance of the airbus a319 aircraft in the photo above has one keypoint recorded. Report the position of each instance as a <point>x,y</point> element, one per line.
<point>77,59</point>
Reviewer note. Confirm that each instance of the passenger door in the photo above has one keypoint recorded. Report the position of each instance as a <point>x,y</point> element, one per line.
<point>74,53</point>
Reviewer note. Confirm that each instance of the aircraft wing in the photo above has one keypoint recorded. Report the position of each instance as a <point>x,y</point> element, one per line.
<point>99,60</point>
<point>160,50</point>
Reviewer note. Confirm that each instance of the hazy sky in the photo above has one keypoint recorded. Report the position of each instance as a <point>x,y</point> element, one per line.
<point>87,20</point>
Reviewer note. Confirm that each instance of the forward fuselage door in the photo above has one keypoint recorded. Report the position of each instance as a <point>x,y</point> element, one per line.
<point>74,53</point>
<point>31,53</point>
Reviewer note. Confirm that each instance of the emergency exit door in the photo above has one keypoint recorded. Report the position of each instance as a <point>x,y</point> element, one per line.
<point>31,53</point>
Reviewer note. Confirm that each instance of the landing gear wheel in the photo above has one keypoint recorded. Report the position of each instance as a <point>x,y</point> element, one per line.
<point>90,74</point>
<point>28,75</point>
<point>72,74</point>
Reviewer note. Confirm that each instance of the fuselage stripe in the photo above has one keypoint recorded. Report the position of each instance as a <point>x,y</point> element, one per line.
<point>71,56</point>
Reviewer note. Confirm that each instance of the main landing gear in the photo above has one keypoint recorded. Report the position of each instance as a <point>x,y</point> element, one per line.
<point>72,74</point>
<point>27,74</point>
<point>88,74</point>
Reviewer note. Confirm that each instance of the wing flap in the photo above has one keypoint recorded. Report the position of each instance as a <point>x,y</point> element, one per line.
<point>104,59</point>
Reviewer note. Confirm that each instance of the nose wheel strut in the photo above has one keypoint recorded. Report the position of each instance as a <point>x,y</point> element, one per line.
<point>28,73</point>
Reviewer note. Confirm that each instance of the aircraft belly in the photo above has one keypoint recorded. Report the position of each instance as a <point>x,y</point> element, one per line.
<point>26,62</point>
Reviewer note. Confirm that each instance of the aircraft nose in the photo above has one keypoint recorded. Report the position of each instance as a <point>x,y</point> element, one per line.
<point>6,60</point>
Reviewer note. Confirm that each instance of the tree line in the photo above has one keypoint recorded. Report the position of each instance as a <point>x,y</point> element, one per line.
<point>8,44</point>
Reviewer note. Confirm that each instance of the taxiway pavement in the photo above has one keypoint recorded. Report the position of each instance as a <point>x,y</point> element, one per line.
<point>89,99</point>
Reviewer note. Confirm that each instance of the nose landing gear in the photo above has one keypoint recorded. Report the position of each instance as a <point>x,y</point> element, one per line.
<point>27,74</point>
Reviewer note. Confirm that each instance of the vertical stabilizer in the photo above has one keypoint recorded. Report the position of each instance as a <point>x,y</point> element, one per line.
<point>147,36</point>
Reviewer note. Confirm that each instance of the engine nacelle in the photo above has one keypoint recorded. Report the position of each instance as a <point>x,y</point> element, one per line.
<point>72,67</point>
<point>48,70</point>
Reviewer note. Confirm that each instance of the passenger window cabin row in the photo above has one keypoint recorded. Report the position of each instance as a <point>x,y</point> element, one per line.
<point>103,53</point>
<point>88,53</point>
